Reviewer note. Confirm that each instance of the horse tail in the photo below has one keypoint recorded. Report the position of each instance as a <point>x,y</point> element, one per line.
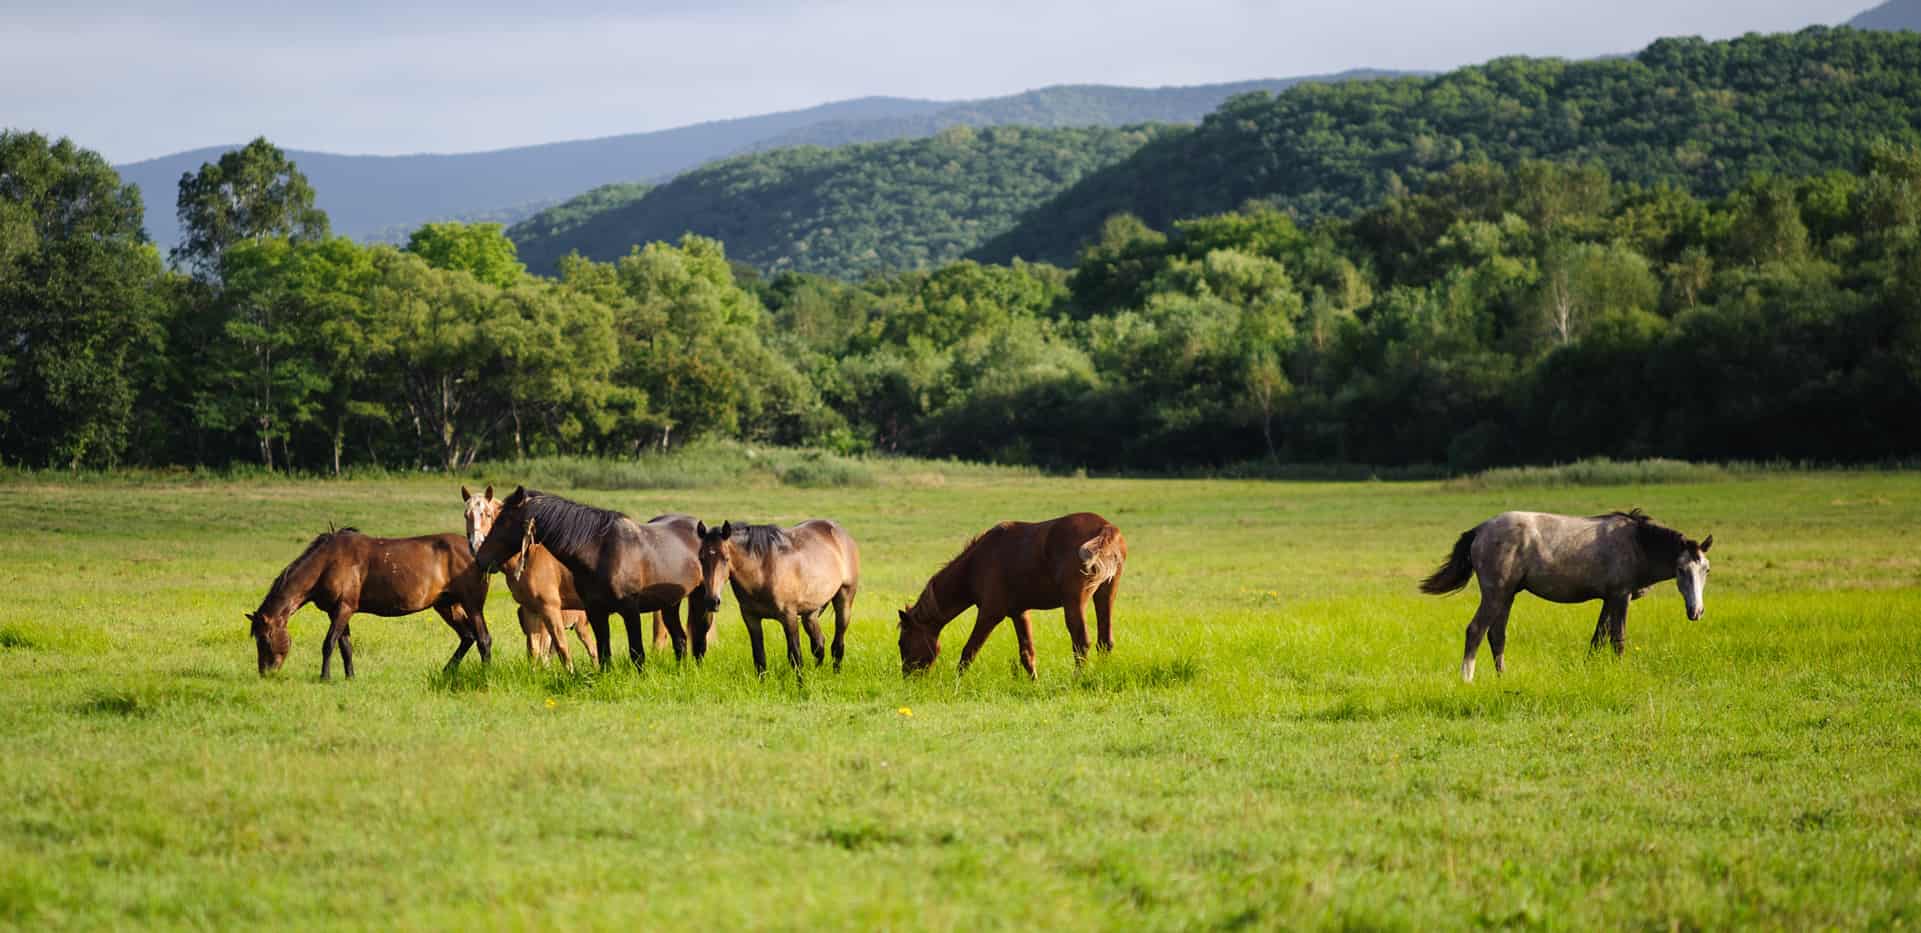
<point>1102,555</point>
<point>1459,568</point>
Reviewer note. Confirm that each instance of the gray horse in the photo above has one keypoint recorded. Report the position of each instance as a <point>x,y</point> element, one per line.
<point>1614,558</point>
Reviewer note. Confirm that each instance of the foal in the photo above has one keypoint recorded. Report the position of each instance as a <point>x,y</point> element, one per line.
<point>1614,558</point>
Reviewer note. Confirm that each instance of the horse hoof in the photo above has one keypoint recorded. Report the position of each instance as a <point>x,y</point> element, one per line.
<point>1467,671</point>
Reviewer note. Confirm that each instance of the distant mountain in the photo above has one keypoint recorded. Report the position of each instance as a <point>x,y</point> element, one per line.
<point>845,211</point>
<point>365,196</point>
<point>385,197</point>
<point>1701,115</point>
<point>1059,105</point>
<point>1892,15</point>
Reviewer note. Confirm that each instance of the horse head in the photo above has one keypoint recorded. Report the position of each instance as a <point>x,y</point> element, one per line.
<point>716,563</point>
<point>482,510</point>
<point>503,539</point>
<point>1691,575</point>
<point>919,641</point>
<point>271,641</point>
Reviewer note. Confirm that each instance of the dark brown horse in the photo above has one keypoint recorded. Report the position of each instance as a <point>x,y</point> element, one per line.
<point>620,566</point>
<point>1614,558</point>
<point>789,574</point>
<point>1012,569</point>
<point>344,572</point>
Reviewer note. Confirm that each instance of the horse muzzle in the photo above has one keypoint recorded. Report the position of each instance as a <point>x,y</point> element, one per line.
<point>1694,615</point>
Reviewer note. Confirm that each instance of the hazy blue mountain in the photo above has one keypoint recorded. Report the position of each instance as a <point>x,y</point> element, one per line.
<point>1894,14</point>
<point>385,197</point>
<point>368,196</point>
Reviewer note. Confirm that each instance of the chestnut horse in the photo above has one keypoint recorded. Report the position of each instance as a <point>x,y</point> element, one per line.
<point>1614,558</point>
<point>1012,569</point>
<point>790,574</point>
<point>619,566</point>
<point>344,572</point>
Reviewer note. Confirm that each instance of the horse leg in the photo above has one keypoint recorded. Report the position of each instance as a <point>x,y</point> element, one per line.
<point>678,635</point>
<point>757,638</point>
<point>1104,613</point>
<point>811,621</point>
<point>1618,627</point>
<point>1076,614</point>
<point>1600,627</point>
<point>603,637</point>
<point>1024,631</point>
<point>347,651</point>
<point>984,623</point>
<point>1484,616</point>
<point>790,629</point>
<point>334,628</point>
<point>663,632</point>
<point>477,617</point>
<point>636,638</point>
<point>843,616</point>
<point>535,629</point>
<point>553,625</point>
<point>462,628</point>
<point>584,631</point>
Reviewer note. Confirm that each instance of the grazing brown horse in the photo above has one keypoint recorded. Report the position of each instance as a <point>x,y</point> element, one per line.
<point>1012,569</point>
<point>619,566</point>
<point>790,574</point>
<point>344,572</point>
<point>1614,558</point>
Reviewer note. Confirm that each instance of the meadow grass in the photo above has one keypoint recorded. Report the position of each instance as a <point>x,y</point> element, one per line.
<point>1280,738</point>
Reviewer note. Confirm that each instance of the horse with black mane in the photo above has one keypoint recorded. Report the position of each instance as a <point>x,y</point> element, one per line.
<point>789,574</point>
<point>1010,570</point>
<point>343,572</point>
<point>1614,558</point>
<point>620,566</point>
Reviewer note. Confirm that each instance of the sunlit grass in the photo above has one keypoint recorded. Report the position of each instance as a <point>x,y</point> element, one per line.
<point>1280,738</point>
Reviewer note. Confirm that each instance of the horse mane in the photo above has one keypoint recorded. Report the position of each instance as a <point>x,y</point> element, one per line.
<point>565,525</point>
<point>299,564</point>
<point>1660,543</point>
<point>762,540</point>
<point>958,560</point>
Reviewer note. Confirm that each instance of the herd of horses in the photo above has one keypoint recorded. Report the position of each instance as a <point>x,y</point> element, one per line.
<point>572,567</point>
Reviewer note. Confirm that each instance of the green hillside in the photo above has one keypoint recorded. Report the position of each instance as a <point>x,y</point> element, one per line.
<point>851,210</point>
<point>1704,115</point>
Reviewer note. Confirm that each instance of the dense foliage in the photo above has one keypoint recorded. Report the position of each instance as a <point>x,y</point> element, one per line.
<point>852,210</point>
<point>1501,311</point>
<point>1701,115</point>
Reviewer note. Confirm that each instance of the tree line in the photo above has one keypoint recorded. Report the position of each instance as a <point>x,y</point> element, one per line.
<point>1539,312</point>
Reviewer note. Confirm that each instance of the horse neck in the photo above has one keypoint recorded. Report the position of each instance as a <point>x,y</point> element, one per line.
<point>293,586</point>
<point>951,591</point>
<point>746,569</point>
<point>1659,554</point>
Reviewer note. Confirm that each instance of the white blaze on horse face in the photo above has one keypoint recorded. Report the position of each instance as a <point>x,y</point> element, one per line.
<point>481,513</point>
<point>1691,575</point>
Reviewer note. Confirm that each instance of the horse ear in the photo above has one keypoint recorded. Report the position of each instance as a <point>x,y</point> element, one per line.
<point>903,617</point>
<point>727,529</point>
<point>490,492</point>
<point>465,493</point>
<point>700,529</point>
<point>1707,544</point>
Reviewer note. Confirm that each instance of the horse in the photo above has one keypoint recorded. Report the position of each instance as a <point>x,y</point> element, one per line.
<point>619,566</point>
<point>790,574</point>
<point>343,572</point>
<point>1014,568</point>
<point>544,590</point>
<point>1614,558</point>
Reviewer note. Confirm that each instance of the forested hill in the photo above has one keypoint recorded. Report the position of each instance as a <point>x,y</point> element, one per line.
<point>1894,14</point>
<point>1061,105</point>
<point>851,210</point>
<point>1703,115</point>
<point>367,196</point>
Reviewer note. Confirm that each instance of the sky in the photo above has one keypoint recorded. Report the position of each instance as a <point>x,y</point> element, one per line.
<point>134,80</point>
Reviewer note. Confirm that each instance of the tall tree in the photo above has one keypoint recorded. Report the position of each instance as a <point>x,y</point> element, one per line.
<point>250,194</point>
<point>77,303</point>
<point>481,250</point>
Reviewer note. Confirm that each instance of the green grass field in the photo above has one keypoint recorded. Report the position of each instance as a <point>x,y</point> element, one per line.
<point>1281,737</point>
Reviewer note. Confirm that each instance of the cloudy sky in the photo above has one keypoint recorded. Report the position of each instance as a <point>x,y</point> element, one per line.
<point>139,79</point>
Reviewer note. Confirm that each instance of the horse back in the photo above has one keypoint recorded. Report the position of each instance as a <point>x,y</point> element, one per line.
<point>1041,565</point>
<point>398,576</point>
